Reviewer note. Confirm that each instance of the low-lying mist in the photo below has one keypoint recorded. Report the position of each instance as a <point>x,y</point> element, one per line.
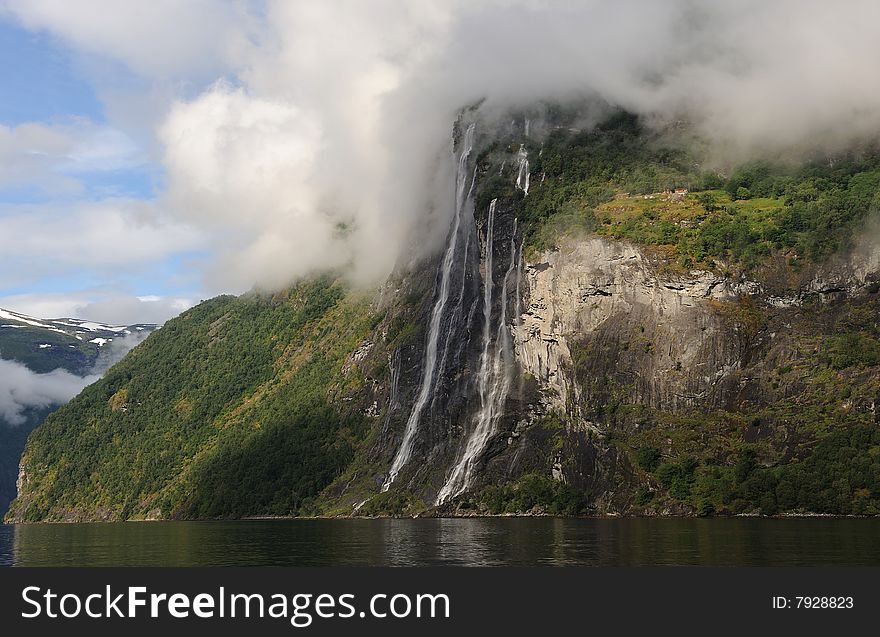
<point>22,389</point>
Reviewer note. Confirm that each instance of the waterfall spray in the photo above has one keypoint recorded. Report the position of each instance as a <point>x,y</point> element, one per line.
<point>522,177</point>
<point>518,317</point>
<point>493,379</point>
<point>459,306</point>
<point>462,196</point>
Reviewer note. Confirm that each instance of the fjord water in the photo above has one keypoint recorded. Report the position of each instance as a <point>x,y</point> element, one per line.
<point>449,542</point>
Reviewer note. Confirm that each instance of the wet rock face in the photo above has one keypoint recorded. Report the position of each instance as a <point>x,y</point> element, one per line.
<point>592,316</point>
<point>593,324</point>
<point>449,416</point>
<point>597,309</point>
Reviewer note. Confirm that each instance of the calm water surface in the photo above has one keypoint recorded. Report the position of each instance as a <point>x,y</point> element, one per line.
<point>448,542</point>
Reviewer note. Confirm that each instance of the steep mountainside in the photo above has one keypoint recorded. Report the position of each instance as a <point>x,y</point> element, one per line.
<point>236,407</point>
<point>609,328</point>
<point>81,348</point>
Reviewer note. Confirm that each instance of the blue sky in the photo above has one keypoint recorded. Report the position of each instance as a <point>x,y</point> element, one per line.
<point>40,81</point>
<point>66,164</point>
<point>183,149</point>
<point>151,156</point>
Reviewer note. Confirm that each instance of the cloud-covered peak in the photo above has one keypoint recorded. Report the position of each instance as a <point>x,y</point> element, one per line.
<point>304,135</point>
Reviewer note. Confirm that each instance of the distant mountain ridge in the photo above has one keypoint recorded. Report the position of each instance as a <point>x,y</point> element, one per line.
<point>70,343</point>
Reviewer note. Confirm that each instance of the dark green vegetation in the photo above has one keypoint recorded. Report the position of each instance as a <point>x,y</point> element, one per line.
<point>223,412</point>
<point>22,345</point>
<point>43,345</point>
<point>65,351</point>
<point>12,441</point>
<point>841,476</point>
<point>534,493</point>
<point>805,438</point>
<point>612,180</point>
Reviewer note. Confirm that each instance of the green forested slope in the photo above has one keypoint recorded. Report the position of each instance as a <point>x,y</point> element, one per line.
<point>224,411</point>
<point>40,346</point>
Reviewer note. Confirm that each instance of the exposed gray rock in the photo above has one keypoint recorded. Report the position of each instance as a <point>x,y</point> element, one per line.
<point>595,282</point>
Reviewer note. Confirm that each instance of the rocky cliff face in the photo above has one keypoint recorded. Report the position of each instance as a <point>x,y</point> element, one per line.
<point>614,349</point>
<point>596,290</point>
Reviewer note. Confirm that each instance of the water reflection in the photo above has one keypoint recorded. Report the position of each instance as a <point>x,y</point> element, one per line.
<point>450,542</point>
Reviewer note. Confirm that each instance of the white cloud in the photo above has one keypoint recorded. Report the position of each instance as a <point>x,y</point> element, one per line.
<point>29,154</point>
<point>126,310</point>
<point>164,38</point>
<point>102,149</point>
<point>243,169</point>
<point>338,112</point>
<point>21,389</point>
<point>106,236</point>
<point>48,305</point>
<point>369,90</point>
<point>53,157</point>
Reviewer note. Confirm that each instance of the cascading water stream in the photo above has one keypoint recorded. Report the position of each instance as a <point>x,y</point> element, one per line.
<point>394,364</point>
<point>518,316</point>
<point>462,196</point>
<point>522,177</point>
<point>493,379</point>
<point>459,306</point>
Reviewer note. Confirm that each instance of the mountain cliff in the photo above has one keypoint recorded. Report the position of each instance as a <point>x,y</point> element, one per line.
<point>610,327</point>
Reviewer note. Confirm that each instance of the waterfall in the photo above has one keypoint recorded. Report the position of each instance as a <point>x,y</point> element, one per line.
<point>517,319</point>
<point>459,304</point>
<point>518,316</point>
<point>522,177</point>
<point>429,364</point>
<point>394,364</point>
<point>493,378</point>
